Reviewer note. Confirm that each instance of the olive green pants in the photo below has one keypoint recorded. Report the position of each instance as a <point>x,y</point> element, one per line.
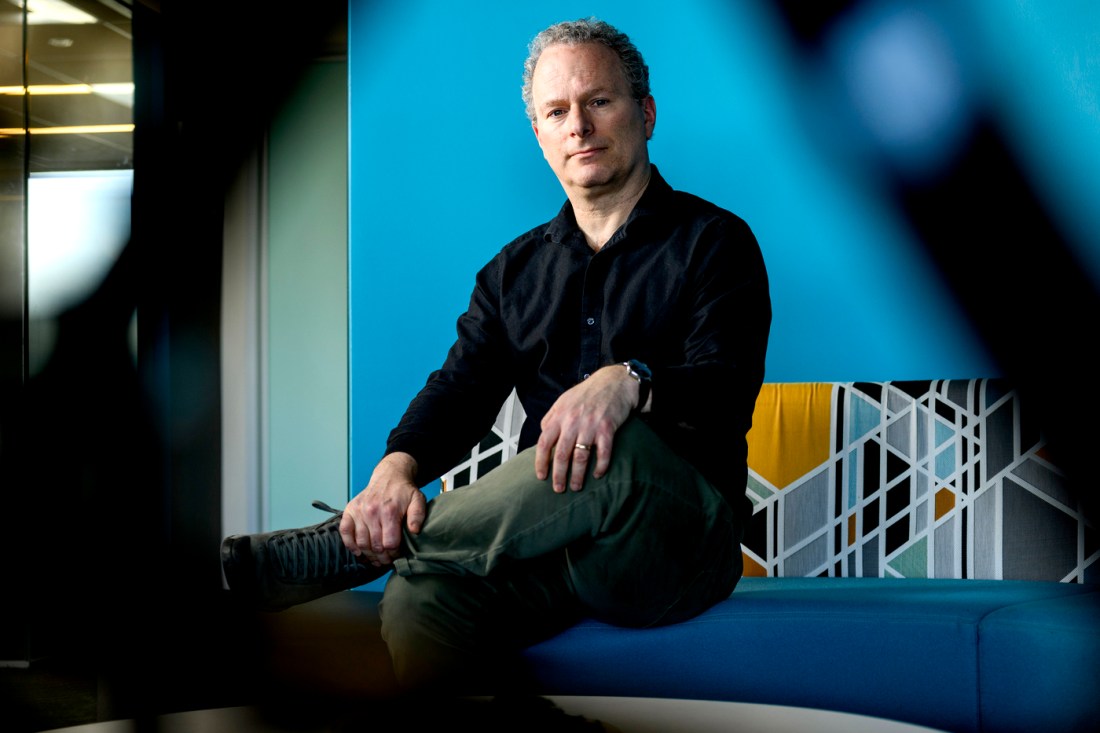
<point>507,562</point>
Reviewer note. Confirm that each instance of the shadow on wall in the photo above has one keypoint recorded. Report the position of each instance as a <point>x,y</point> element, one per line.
<point>917,110</point>
<point>110,465</point>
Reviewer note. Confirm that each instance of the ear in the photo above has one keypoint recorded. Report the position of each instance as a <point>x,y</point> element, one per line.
<point>649,113</point>
<point>535,129</point>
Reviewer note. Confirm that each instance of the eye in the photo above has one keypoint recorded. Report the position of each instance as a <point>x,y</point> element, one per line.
<point>556,113</point>
<point>600,102</point>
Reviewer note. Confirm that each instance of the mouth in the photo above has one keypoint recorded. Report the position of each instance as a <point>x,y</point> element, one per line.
<point>586,153</point>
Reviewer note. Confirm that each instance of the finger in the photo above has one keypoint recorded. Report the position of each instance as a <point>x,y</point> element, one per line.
<point>605,440</point>
<point>603,460</point>
<point>562,456</point>
<point>544,449</point>
<point>359,535</point>
<point>378,533</point>
<point>368,530</point>
<point>395,515</point>
<point>347,532</point>
<point>417,511</point>
<point>391,535</point>
<point>582,453</point>
<point>370,538</point>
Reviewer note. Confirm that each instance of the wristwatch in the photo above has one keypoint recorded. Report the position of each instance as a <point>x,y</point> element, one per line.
<point>642,373</point>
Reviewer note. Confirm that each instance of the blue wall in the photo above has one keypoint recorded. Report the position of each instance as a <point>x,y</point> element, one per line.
<point>444,169</point>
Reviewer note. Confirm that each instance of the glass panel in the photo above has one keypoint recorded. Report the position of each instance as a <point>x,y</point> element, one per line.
<point>80,80</point>
<point>79,119</point>
<point>12,196</point>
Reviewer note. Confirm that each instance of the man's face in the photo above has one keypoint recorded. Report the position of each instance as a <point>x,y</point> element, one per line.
<point>592,132</point>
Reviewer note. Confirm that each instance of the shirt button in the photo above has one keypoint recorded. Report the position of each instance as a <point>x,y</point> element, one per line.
<point>590,321</point>
<point>586,376</point>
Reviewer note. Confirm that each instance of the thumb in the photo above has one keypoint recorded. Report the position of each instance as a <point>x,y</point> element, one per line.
<point>414,518</point>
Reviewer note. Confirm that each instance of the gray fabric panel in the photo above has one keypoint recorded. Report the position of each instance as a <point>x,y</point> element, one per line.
<point>808,559</point>
<point>922,482</point>
<point>1040,542</point>
<point>944,550</point>
<point>896,401</point>
<point>1046,480</point>
<point>920,518</point>
<point>957,390</point>
<point>870,558</point>
<point>897,436</point>
<point>984,548</point>
<point>806,509</point>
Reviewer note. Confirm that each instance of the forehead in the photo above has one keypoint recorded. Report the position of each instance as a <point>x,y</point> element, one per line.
<point>561,67</point>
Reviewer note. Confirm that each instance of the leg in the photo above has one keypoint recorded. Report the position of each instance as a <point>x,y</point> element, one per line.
<point>461,633</point>
<point>649,542</point>
<point>506,562</point>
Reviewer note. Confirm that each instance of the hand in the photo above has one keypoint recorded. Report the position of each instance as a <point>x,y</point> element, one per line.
<point>588,415</point>
<point>373,521</point>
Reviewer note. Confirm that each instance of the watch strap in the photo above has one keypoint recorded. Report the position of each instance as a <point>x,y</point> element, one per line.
<point>642,373</point>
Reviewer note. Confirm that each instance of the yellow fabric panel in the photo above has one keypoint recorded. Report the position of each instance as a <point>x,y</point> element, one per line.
<point>753,569</point>
<point>790,430</point>
<point>945,502</point>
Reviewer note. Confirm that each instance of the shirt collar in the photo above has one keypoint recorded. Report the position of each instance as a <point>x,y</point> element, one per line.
<point>654,200</point>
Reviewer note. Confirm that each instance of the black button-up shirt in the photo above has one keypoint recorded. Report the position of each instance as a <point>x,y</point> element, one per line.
<point>681,286</point>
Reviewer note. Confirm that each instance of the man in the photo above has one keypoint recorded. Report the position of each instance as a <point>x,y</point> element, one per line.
<point>633,327</point>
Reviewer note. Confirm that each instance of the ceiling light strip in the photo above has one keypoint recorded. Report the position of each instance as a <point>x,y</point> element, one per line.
<point>70,130</point>
<point>112,89</point>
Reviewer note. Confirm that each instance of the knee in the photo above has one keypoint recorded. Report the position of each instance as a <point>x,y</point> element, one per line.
<point>640,451</point>
<point>441,630</point>
<point>410,608</point>
<point>426,626</point>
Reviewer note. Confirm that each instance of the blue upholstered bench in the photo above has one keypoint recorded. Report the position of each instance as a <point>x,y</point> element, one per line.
<point>957,655</point>
<point>914,554</point>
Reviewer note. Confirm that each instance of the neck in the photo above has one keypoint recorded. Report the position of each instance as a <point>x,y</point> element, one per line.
<point>600,213</point>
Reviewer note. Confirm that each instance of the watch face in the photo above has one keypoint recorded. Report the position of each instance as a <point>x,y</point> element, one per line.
<point>641,369</point>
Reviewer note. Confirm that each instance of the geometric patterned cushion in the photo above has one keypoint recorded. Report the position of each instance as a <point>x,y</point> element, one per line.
<point>498,446</point>
<point>915,479</point>
<point>905,479</point>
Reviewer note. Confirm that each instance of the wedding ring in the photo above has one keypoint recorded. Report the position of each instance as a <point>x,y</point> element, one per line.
<point>582,446</point>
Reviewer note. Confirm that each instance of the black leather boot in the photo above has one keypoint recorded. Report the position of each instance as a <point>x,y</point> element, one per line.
<point>276,570</point>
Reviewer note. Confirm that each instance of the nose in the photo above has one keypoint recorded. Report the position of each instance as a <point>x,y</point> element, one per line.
<point>580,124</point>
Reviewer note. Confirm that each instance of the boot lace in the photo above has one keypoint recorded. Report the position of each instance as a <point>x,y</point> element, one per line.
<point>315,553</point>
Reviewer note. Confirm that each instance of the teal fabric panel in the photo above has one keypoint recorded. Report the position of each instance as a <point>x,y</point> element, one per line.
<point>1040,666</point>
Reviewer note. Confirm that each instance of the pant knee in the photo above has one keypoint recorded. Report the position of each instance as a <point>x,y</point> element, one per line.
<point>429,625</point>
<point>421,607</point>
<point>468,630</point>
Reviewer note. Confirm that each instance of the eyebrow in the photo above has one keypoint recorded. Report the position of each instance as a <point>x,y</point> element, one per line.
<point>598,91</point>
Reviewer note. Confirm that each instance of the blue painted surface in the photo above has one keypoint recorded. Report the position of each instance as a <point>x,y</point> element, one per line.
<point>444,171</point>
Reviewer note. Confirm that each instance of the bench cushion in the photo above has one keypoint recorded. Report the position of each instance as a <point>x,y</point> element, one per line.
<point>1040,665</point>
<point>906,649</point>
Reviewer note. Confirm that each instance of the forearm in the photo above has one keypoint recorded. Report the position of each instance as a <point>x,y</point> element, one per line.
<point>442,423</point>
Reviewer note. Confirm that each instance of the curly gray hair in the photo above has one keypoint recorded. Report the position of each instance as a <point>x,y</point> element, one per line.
<point>590,30</point>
